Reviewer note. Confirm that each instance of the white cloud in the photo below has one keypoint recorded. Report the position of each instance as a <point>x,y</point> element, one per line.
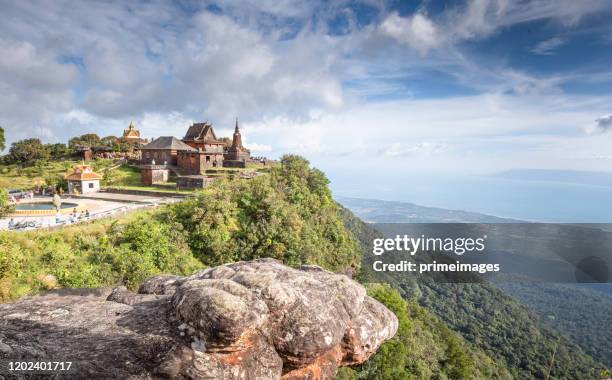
<point>258,148</point>
<point>63,74</point>
<point>481,18</point>
<point>416,31</point>
<point>548,47</point>
<point>408,150</point>
<point>480,134</point>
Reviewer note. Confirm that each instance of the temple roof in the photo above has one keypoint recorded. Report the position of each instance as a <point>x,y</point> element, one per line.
<point>83,173</point>
<point>237,140</point>
<point>168,142</point>
<point>131,132</point>
<point>199,130</point>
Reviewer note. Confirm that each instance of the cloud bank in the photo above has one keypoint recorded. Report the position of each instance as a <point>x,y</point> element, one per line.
<point>329,80</point>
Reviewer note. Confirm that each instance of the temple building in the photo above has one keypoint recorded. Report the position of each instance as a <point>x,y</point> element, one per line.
<point>132,135</point>
<point>189,159</point>
<point>236,155</point>
<point>163,151</point>
<point>83,180</point>
<point>201,136</point>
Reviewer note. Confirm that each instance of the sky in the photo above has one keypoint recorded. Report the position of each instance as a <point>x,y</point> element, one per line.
<point>472,87</point>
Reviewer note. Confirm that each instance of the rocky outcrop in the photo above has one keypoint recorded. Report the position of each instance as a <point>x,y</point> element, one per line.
<point>247,320</point>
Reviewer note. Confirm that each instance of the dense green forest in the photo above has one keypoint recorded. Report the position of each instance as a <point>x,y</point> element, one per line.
<point>581,313</point>
<point>490,320</point>
<point>446,332</point>
<point>423,348</point>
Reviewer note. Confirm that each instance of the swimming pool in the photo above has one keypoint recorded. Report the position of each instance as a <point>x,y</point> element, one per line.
<point>43,206</point>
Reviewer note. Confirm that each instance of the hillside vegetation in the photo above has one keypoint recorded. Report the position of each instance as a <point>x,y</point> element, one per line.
<point>490,320</point>
<point>289,214</point>
<point>581,313</point>
<point>101,253</point>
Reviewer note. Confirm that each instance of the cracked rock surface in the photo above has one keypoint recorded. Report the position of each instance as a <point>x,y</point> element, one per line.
<point>246,320</point>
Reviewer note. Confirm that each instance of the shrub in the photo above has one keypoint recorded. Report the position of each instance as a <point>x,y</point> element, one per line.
<point>5,205</point>
<point>288,215</point>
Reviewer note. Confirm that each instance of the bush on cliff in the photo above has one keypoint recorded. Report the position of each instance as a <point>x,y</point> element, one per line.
<point>288,214</point>
<point>99,254</point>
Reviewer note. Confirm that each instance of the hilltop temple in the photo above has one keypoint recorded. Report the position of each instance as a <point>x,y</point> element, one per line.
<point>201,136</point>
<point>191,157</point>
<point>236,152</point>
<point>132,135</point>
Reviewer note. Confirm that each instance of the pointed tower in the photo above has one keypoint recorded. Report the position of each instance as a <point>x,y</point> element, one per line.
<point>131,134</point>
<point>237,152</point>
<point>237,140</point>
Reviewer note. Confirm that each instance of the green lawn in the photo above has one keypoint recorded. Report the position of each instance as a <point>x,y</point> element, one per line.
<point>125,177</point>
<point>15,177</point>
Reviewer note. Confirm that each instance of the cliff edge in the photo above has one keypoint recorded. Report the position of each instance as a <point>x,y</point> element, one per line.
<point>247,320</point>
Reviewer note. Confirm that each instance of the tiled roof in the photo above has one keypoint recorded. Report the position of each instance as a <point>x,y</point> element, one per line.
<point>168,142</point>
<point>83,173</point>
<point>198,130</point>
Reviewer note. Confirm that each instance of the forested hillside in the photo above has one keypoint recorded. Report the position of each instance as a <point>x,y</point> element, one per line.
<point>487,318</point>
<point>584,315</point>
<point>453,332</point>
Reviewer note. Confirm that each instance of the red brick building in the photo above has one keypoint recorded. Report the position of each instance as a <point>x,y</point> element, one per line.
<point>190,162</point>
<point>163,151</point>
<point>202,137</point>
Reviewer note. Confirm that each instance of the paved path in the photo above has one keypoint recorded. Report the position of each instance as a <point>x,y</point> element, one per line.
<point>99,208</point>
<point>118,197</point>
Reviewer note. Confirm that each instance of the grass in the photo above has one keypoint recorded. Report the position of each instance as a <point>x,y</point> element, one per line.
<point>128,177</point>
<point>25,178</point>
<point>125,177</point>
<point>16,177</point>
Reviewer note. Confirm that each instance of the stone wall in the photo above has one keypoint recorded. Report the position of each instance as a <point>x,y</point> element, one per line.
<point>149,176</point>
<point>198,162</point>
<point>234,164</point>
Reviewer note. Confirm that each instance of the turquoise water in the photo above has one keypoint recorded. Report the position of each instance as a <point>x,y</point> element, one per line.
<point>38,206</point>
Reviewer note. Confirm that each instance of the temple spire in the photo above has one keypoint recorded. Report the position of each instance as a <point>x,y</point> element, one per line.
<point>237,140</point>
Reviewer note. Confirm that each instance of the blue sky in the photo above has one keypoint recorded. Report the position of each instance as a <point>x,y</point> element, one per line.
<point>462,87</point>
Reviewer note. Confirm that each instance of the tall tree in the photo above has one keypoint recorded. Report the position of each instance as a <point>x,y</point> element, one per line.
<point>28,151</point>
<point>89,139</point>
<point>2,141</point>
<point>58,151</point>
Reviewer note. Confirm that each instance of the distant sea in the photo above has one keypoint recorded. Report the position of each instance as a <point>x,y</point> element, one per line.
<point>539,196</point>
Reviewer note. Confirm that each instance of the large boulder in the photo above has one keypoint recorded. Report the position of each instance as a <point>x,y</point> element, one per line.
<point>247,320</point>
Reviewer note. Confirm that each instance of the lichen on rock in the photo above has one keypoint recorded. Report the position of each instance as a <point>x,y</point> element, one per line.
<point>246,320</point>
